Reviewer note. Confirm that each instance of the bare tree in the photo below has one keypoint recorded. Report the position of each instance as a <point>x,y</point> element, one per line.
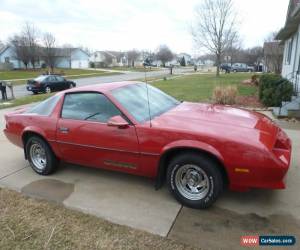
<point>232,51</point>
<point>30,33</point>
<point>164,54</point>
<point>49,53</point>
<point>20,48</point>
<point>132,56</point>
<point>214,29</point>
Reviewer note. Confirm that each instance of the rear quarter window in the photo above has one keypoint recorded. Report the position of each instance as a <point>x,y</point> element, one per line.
<point>45,107</point>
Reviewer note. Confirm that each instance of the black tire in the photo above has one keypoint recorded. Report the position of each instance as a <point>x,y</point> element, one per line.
<point>35,92</point>
<point>48,90</point>
<point>213,178</point>
<point>51,160</point>
<point>71,85</point>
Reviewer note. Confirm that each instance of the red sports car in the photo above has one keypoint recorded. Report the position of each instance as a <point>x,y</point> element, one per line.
<point>199,149</point>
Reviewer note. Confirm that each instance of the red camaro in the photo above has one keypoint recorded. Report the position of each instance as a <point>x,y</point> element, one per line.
<point>199,149</point>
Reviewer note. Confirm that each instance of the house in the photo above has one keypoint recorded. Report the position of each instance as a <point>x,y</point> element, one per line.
<point>109,59</point>
<point>187,58</point>
<point>290,38</point>
<point>65,58</point>
<point>273,56</point>
<point>7,56</point>
<point>117,58</point>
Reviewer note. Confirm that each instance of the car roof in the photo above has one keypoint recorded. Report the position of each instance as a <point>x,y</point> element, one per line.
<point>102,87</point>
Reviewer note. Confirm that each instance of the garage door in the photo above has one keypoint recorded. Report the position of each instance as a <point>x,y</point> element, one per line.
<point>79,64</point>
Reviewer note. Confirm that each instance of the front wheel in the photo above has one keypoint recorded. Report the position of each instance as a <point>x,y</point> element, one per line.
<point>40,156</point>
<point>47,90</point>
<point>194,180</point>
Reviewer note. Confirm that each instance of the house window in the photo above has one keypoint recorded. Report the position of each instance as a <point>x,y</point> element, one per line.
<point>6,59</point>
<point>289,51</point>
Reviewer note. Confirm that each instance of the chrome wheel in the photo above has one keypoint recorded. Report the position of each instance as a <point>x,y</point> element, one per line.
<point>192,182</point>
<point>38,156</point>
<point>48,90</point>
<point>71,86</point>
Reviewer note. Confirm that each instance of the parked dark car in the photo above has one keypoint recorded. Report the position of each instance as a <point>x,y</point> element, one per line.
<point>49,83</point>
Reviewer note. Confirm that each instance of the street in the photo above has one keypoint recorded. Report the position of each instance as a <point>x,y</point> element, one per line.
<point>20,90</point>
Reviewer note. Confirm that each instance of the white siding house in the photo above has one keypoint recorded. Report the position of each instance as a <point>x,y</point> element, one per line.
<point>66,58</point>
<point>290,37</point>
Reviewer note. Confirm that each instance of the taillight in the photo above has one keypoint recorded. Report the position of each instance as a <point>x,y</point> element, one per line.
<point>280,144</point>
<point>282,148</point>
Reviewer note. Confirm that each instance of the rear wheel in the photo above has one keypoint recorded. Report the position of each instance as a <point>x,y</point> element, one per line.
<point>194,180</point>
<point>40,156</point>
<point>35,92</point>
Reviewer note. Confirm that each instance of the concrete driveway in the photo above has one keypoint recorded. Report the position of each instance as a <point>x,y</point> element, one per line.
<point>132,201</point>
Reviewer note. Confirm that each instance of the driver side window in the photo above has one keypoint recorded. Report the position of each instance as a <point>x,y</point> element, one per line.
<point>89,107</point>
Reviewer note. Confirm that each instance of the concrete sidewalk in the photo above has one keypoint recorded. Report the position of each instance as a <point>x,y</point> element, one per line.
<point>132,201</point>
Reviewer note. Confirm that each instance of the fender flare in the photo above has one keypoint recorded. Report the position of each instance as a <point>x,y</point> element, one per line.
<point>193,144</point>
<point>35,130</point>
<point>183,144</point>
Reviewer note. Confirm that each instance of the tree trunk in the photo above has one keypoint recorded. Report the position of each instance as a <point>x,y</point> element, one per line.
<point>218,62</point>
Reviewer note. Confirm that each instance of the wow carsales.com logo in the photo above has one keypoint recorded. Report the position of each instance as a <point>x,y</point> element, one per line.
<point>268,240</point>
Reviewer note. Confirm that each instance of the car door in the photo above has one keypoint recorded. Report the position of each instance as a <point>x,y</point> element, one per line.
<point>52,82</point>
<point>85,138</point>
<point>62,83</point>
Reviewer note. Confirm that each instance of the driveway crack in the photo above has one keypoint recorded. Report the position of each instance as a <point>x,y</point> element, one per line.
<point>174,221</point>
<point>3,177</point>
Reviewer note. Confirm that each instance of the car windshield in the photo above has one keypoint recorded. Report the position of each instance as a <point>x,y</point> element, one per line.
<point>134,99</point>
<point>40,78</point>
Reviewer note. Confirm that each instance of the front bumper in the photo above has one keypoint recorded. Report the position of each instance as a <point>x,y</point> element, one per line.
<point>270,175</point>
<point>34,89</point>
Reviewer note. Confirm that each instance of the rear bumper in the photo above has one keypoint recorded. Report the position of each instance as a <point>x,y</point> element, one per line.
<point>13,138</point>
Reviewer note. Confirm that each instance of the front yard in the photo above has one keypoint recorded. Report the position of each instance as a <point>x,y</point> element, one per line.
<point>199,87</point>
<point>68,73</point>
<point>26,223</point>
<point>194,88</point>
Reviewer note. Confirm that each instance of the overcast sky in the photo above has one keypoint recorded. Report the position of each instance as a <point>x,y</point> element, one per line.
<point>127,24</point>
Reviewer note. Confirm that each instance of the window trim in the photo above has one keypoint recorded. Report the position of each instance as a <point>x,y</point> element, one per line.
<point>91,92</point>
<point>289,51</point>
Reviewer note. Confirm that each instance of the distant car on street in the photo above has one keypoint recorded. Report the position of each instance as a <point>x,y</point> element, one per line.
<point>48,84</point>
<point>242,67</point>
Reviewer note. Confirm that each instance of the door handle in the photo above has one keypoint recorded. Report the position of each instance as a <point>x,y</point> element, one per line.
<point>64,130</point>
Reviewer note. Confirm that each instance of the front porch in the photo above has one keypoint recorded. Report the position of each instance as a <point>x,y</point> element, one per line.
<point>291,108</point>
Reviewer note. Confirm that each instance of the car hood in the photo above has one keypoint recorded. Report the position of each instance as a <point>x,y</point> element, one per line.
<point>200,117</point>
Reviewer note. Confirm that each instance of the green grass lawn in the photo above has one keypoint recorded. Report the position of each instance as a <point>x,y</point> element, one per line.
<point>25,74</point>
<point>24,100</point>
<point>199,87</point>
